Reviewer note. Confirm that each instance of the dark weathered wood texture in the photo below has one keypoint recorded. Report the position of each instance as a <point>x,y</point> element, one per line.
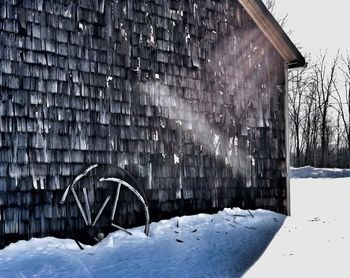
<point>186,95</point>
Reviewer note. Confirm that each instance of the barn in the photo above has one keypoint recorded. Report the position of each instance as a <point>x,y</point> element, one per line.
<point>177,106</point>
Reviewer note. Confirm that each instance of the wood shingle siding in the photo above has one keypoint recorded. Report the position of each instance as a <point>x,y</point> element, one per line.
<point>185,95</point>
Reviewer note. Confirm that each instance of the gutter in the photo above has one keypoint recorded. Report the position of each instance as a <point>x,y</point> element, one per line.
<point>296,64</point>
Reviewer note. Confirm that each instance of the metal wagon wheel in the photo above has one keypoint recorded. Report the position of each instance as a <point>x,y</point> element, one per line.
<point>95,194</point>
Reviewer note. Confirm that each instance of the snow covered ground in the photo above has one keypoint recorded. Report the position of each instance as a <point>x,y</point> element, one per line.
<point>225,244</point>
<point>314,242</point>
<point>311,172</point>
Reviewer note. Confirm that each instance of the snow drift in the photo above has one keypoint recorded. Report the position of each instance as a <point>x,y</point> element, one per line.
<point>226,244</point>
<point>314,242</point>
<point>312,172</point>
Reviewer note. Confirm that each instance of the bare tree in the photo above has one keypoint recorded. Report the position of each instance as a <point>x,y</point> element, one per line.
<point>319,99</point>
<point>324,77</point>
<point>343,103</point>
<point>271,6</point>
<point>310,123</point>
<point>315,132</point>
<point>298,81</point>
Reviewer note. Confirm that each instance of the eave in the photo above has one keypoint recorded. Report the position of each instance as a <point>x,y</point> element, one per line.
<point>274,33</point>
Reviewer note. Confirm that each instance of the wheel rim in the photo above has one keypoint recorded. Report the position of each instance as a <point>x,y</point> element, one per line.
<point>94,232</point>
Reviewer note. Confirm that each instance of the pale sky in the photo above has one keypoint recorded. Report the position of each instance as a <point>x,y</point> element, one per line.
<point>318,25</point>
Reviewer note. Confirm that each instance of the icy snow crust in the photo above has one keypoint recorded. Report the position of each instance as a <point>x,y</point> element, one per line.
<point>224,244</point>
<point>314,242</point>
<point>311,172</point>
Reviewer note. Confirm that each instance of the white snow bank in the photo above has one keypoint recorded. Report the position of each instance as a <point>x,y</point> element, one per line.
<point>222,245</point>
<point>315,241</point>
<point>311,172</point>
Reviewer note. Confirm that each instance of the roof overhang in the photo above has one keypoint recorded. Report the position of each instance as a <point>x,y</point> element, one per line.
<point>274,33</point>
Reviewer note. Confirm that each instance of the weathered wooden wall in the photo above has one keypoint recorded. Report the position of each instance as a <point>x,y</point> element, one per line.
<point>186,95</point>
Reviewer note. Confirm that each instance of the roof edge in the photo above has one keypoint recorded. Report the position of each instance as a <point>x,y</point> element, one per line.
<point>274,33</point>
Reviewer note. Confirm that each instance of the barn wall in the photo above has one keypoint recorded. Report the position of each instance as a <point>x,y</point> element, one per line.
<point>186,95</point>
